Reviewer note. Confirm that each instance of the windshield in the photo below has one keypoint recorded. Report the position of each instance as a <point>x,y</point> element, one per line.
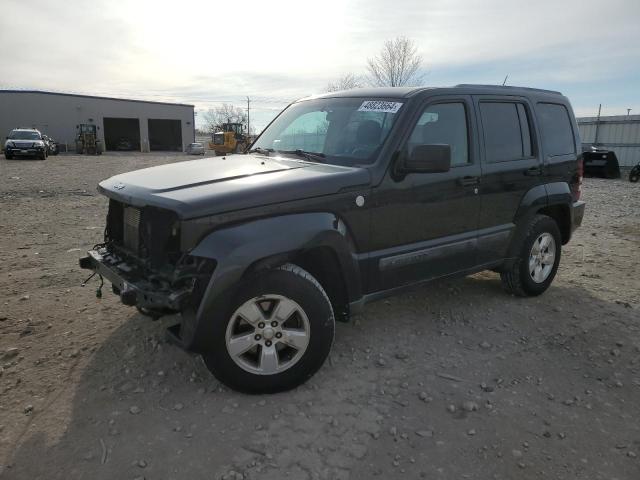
<point>24,135</point>
<point>341,131</point>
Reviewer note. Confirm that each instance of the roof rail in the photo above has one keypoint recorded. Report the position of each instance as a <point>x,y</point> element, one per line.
<point>508,86</point>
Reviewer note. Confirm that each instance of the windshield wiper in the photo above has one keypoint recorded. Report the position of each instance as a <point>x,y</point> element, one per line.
<point>311,156</point>
<point>264,151</point>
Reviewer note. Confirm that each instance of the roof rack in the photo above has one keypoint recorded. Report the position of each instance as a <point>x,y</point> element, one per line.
<point>508,87</point>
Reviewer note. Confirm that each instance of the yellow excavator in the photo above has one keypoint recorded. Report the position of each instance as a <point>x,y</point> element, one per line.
<point>231,139</point>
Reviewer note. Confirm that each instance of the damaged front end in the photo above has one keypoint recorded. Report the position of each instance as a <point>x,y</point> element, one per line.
<point>142,258</point>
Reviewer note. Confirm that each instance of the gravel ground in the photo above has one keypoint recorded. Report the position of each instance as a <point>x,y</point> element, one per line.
<point>452,380</point>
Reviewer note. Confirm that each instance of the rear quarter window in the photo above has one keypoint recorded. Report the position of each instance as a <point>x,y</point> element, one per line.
<point>556,129</point>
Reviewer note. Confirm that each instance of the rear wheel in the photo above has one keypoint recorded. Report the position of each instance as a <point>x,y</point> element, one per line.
<point>634,175</point>
<point>538,251</point>
<point>275,334</point>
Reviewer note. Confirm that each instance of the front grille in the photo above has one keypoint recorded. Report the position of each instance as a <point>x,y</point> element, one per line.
<point>149,234</point>
<point>131,228</point>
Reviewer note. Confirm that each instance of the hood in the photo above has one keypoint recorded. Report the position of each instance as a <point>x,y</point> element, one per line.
<point>199,188</point>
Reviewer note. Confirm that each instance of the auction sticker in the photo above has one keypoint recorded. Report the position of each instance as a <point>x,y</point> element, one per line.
<point>380,106</point>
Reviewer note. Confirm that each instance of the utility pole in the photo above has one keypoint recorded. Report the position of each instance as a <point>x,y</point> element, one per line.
<point>595,140</point>
<point>628,111</point>
<point>248,124</point>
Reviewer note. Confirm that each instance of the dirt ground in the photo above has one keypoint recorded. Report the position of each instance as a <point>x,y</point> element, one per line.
<point>455,380</point>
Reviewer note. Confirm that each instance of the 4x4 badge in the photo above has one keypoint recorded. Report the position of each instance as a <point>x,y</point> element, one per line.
<point>119,186</point>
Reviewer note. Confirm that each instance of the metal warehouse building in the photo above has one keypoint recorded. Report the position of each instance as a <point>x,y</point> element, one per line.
<point>618,133</point>
<point>144,125</point>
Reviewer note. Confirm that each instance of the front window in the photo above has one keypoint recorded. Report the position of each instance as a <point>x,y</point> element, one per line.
<point>24,135</point>
<point>340,131</point>
<point>443,123</point>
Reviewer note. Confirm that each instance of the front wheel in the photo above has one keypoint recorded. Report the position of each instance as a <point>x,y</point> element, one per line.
<point>275,334</point>
<point>538,249</point>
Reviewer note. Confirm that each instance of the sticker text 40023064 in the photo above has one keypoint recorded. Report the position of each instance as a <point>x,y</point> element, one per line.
<point>382,106</point>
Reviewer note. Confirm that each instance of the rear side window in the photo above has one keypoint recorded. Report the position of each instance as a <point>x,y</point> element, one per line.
<point>507,135</point>
<point>555,124</point>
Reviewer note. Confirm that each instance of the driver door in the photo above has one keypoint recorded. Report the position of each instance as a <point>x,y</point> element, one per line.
<point>424,225</point>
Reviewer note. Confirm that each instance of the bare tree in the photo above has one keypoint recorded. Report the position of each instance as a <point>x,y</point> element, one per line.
<point>214,118</point>
<point>396,65</point>
<point>345,82</point>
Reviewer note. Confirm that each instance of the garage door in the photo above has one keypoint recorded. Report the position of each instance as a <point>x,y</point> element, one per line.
<point>165,135</point>
<point>122,134</point>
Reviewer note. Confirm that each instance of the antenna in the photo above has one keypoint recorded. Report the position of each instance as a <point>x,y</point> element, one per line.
<point>505,80</point>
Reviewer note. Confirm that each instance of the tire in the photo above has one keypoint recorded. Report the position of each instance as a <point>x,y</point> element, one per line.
<point>43,156</point>
<point>634,176</point>
<point>8,156</point>
<point>528,275</point>
<point>288,287</point>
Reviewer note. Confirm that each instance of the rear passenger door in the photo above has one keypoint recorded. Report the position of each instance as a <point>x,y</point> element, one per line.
<point>511,166</point>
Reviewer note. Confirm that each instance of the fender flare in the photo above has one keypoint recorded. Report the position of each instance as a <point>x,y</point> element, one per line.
<point>537,198</point>
<point>265,242</point>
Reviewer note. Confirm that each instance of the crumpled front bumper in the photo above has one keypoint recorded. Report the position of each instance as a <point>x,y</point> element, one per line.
<point>133,289</point>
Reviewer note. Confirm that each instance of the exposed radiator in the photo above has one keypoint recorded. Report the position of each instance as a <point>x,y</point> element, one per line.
<point>131,229</point>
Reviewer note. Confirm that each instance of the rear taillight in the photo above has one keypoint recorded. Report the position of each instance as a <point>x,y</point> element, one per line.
<point>576,188</point>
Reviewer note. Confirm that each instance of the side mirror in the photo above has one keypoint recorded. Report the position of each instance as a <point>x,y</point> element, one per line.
<point>434,158</point>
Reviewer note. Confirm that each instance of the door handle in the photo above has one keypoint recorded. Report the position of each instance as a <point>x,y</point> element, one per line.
<point>533,171</point>
<point>468,180</point>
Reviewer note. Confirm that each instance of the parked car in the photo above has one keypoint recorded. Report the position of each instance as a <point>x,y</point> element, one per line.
<point>51,144</point>
<point>195,148</point>
<point>344,198</point>
<point>25,142</point>
<point>634,174</point>
<point>600,162</point>
<point>124,144</point>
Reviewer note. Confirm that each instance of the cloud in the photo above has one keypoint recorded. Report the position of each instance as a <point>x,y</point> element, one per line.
<point>197,52</point>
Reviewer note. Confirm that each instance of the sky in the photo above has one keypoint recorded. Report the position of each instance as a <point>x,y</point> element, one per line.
<point>207,52</point>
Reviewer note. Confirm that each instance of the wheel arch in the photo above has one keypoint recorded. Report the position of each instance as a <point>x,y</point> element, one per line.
<point>318,242</point>
<point>550,199</point>
<point>561,214</point>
